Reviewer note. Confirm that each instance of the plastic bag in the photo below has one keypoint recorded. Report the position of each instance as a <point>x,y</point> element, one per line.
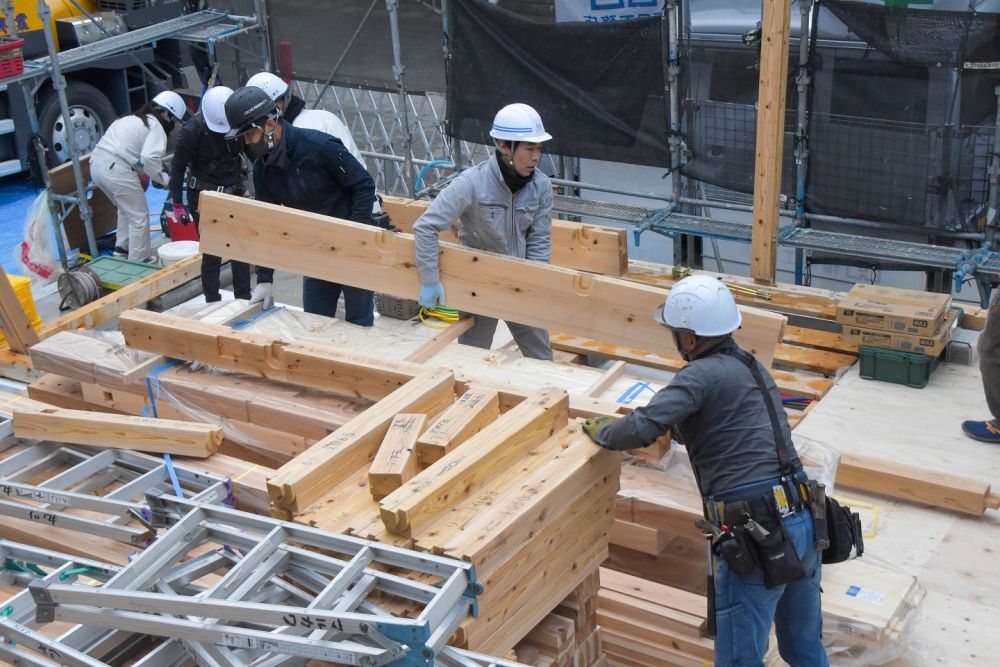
<point>36,254</point>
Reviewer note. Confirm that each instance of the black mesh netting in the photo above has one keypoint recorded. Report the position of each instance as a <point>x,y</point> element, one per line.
<point>922,36</point>
<point>894,134</point>
<point>599,91</point>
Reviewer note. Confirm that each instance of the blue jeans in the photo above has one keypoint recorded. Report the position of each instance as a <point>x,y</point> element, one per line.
<point>745,609</point>
<point>320,298</point>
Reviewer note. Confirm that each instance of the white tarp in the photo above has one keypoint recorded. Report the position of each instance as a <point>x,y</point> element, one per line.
<point>606,11</point>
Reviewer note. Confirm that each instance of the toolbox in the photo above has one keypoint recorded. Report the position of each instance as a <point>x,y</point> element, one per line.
<point>910,368</point>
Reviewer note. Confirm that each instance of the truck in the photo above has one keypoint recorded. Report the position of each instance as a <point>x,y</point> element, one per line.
<point>114,54</point>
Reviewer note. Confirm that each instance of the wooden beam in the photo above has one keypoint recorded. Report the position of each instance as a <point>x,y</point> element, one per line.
<point>454,477</point>
<point>473,411</point>
<point>261,355</point>
<point>594,248</point>
<point>16,325</point>
<point>396,460</point>
<point>101,429</point>
<point>898,480</point>
<point>509,288</point>
<point>639,538</point>
<point>770,139</point>
<point>792,384</point>
<point>131,296</point>
<point>440,340</point>
<point>304,479</point>
<point>603,383</point>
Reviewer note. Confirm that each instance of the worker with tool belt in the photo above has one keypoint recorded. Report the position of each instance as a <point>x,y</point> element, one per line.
<point>503,205</point>
<point>210,163</point>
<point>724,406</point>
<point>311,171</point>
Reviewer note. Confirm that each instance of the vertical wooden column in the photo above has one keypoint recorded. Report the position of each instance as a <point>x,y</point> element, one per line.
<point>770,139</point>
<point>16,325</point>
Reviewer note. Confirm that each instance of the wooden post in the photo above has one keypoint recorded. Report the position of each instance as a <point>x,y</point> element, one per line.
<point>770,139</point>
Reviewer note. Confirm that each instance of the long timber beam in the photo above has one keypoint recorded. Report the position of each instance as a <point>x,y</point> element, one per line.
<point>508,288</point>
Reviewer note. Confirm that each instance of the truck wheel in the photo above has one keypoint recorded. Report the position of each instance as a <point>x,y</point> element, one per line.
<point>90,114</point>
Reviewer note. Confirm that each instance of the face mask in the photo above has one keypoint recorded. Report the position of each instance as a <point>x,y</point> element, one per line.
<point>258,149</point>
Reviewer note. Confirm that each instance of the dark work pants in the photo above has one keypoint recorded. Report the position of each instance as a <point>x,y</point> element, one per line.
<point>211,266</point>
<point>320,298</point>
<point>989,355</point>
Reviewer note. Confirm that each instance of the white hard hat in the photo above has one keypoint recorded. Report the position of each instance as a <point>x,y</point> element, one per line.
<point>702,305</point>
<point>213,108</point>
<point>172,102</point>
<point>271,84</point>
<point>519,122</point>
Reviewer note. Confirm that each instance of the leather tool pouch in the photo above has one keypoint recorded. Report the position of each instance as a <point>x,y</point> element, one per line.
<point>844,532</point>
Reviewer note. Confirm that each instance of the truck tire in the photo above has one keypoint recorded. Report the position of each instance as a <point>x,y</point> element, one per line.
<point>90,112</point>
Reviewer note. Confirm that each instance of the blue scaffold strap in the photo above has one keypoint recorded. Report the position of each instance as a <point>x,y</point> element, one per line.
<point>168,462</point>
<point>153,386</point>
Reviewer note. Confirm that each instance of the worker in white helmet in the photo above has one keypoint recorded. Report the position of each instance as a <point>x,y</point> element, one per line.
<point>205,160</point>
<point>292,109</point>
<point>758,501</point>
<point>503,205</point>
<point>130,153</point>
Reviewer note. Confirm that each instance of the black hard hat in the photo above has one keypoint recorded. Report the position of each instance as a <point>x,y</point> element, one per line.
<point>247,108</point>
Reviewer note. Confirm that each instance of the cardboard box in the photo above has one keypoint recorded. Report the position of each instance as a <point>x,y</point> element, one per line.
<point>891,340</point>
<point>892,309</point>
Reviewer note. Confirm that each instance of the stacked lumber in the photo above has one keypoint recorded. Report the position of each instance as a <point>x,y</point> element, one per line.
<point>528,499</point>
<point>646,623</point>
<point>569,636</point>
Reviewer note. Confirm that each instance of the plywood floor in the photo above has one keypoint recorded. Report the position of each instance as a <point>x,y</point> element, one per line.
<point>953,556</point>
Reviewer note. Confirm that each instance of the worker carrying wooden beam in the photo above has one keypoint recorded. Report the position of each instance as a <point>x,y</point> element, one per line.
<point>727,410</point>
<point>503,205</point>
<point>307,170</point>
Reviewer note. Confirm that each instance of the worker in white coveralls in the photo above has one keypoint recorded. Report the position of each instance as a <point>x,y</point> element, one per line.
<point>501,205</point>
<point>129,154</point>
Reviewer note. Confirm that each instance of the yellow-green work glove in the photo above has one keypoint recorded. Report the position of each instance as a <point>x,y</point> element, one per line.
<point>594,425</point>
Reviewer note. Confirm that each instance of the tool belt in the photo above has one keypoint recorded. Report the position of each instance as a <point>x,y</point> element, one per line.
<point>749,531</point>
<point>195,183</point>
<point>785,495</point>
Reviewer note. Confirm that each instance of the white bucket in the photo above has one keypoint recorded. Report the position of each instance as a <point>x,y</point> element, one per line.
<point>175,251</point>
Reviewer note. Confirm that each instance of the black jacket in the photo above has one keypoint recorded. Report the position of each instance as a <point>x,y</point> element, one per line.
<point>211,158</point>
<point>314,172</point>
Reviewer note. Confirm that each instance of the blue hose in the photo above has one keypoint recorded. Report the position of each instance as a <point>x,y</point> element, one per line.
<point>423,170</point>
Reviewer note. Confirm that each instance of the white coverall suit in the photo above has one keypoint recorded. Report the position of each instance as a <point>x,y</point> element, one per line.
<point>129,145</point>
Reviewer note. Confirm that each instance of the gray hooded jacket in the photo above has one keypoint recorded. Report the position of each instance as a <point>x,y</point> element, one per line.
<point>489,217</point>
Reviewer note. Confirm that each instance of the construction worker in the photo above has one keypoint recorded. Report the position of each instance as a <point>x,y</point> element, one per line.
<point>292,109</point>
<point>989,366</point>
<point>129,154</point>
<point>210,163</point>
<point>308,170</point>
<point>724,406</point>
<point>503,205</point>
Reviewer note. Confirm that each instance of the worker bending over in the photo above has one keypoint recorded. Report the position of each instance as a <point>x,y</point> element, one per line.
<point>724,406</point>
<point>502,205</point>
<point>311,171</point>
<point>129,154</point>
<point>210,163</point>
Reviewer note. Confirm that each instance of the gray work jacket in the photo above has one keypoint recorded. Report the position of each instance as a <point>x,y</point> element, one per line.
<point>718,412</point>
<point>489,217</point>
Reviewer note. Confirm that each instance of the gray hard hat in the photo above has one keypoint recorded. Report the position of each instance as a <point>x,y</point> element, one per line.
<point>247,108</point>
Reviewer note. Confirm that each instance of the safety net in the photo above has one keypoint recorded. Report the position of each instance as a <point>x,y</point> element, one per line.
<point>599,89</point>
